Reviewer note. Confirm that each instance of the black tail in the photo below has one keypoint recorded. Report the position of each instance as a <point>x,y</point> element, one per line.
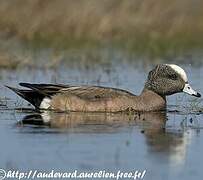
<point>33,97</point>
<point>34,119</point>
<point>37,92</point>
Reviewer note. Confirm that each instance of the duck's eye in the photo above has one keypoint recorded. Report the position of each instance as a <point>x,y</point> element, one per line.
<point>173,76</point>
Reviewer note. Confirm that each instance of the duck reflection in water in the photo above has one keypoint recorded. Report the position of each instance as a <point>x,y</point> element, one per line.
<point>161,143</point>
<point>147,122</point>
<point>151,124</point>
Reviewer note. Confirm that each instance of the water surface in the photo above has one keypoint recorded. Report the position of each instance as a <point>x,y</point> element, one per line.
<point>167,144</point>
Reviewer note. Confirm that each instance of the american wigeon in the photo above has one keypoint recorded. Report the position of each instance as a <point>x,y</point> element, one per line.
<point>163,80</point>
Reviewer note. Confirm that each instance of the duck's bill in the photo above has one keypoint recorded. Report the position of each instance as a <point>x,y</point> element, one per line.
<point>188,89</point>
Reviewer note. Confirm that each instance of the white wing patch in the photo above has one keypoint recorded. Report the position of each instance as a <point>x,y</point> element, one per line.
<point>179,70</point>
<point>71,88</point>
<point>45,104</point>
<point>74,87</point>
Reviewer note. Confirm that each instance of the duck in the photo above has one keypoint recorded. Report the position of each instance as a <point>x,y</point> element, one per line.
<point>163,80</point>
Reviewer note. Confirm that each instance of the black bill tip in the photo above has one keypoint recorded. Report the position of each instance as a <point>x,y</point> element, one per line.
<point>197,95</point>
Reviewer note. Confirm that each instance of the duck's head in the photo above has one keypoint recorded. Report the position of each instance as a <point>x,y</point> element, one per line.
<point>167,79</point>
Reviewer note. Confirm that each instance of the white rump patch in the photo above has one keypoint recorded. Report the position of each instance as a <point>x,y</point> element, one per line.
<point>179,70</point>
<point>45,104</point>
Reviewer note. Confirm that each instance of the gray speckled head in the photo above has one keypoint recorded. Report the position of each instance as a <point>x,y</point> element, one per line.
<point>167,79</point>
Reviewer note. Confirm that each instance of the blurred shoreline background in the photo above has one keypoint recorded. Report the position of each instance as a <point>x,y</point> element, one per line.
<point>153,29</point>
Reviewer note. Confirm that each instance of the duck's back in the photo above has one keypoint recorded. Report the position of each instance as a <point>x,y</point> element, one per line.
<point>91,98</point>
<point>94,93</point>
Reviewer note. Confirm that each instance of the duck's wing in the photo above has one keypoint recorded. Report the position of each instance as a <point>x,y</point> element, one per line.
<point>95,92</point>
<point>37,92</point>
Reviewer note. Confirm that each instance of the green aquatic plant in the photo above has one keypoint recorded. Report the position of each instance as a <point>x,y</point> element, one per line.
<point>196,104</point>
<point>3,102</point>
<point>188,105</point>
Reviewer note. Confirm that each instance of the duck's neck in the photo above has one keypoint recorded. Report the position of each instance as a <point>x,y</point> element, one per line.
<point>152,101</point>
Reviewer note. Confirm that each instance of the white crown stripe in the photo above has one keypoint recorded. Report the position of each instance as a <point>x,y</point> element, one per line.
<point>179,70</point>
